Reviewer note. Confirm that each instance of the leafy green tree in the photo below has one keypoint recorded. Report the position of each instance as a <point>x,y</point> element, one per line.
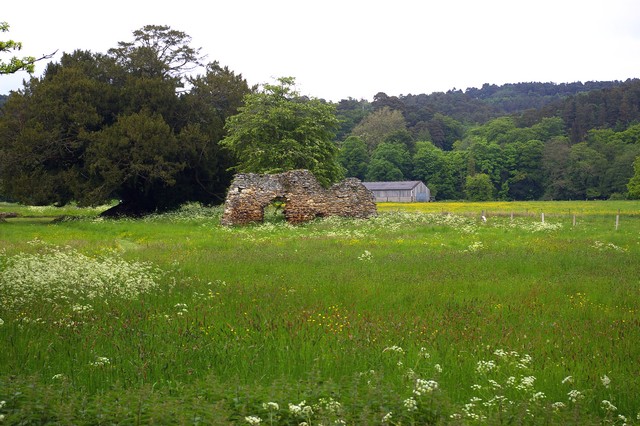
<point>158,51</point>
<point>350,112</point>
<point>375,127</point>
<point>354,157</point>
<point>381,170</point>
<point>584,171</point>
<point>211,100</point>
<point>430,166</point>
<point>132,160</point>
<point>402,137</point>
<point>43,133</point>
<point>634,183</point>
<point>555,158</point>
<point>15,64</point>
<point>444,131</point>
<point>396,154</point>
<point>479,187</point>
<point>93,129</point>
<point>278,130</point>
<point>524,164</point>
<point>487,158</point>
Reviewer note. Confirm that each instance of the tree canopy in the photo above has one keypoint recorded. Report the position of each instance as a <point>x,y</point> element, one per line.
<point>278,130</point>
<point>94,128</point>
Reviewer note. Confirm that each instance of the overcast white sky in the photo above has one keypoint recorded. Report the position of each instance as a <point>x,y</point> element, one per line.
<point>351,48</point>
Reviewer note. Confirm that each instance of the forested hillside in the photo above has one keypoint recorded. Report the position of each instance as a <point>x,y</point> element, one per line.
<point>135,124</point>
<point>515,142</point>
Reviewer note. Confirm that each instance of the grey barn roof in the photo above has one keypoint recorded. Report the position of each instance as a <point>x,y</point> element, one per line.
<point>391,186</point>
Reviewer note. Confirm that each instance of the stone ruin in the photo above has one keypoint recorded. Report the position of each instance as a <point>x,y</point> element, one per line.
<point>304,198</point>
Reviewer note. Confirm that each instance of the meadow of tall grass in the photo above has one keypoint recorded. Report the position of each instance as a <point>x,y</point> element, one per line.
<point>415,317</point>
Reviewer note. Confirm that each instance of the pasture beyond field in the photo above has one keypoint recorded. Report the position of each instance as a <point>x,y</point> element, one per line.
<point>424,315</point>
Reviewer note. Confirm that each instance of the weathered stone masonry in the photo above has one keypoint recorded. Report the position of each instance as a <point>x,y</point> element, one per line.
<point>304,198</point>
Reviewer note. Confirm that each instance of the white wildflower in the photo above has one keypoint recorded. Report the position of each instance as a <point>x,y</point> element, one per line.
<point>526,383</point>
<point>485,366</point>
<point>366,256</point>
<point>387,417</point>
<point>253,420</point>
<point>538,396</point>
<point>100,361</point>
<point>410,404</point>
<point>424,354</point>
<point>495,384</point>
<point>424,386</point>
<point>271,406</point>
<point>394,348</point>
<point>558,405</point>
<point>295,409</point>
<point>575,395</point>
<point>500,353</point>
<point>331,405</point>
<point>438,368</point>
<point>608,406</point>
<point>606,381</point>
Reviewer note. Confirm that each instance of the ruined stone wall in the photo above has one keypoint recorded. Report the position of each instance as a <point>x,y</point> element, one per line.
<point>304,198</point>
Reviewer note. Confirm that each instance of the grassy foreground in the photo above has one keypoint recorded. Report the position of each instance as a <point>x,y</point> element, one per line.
<point>424,315</point>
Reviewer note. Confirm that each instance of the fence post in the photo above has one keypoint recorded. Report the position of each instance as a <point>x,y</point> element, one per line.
<point>542,217</point>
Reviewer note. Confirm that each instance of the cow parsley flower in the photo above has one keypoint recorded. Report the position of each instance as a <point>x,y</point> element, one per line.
<point>606,381</point>
<point>485,366</point>
<point>271,406</point>
<point>253,420</point>
<point>422,386</point>
<point>410,404</point>
<point>575,395</point>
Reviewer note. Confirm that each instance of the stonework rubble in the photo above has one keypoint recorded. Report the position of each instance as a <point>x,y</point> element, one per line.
<point>304,198</point>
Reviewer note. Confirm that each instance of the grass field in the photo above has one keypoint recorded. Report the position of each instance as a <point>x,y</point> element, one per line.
<point>424,315</point>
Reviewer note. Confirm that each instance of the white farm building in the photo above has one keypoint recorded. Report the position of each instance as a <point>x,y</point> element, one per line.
<point>402,192</point>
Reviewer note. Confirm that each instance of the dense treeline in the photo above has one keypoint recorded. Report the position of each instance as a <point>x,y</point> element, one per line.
<point>464,145</point>
<point>136,124</point>
<point>128,125</point>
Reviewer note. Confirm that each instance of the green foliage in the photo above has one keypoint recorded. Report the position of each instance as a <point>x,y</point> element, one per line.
<point>382,170</point>
<point>97,127</point>
<point>131,160</point>
<point>353,156</point>
<point>396,154</point>
<point>15,64</point>
<point>378,125</point>
<point>278,130</point>
<point>479,187</point>
<point>634,183</point>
